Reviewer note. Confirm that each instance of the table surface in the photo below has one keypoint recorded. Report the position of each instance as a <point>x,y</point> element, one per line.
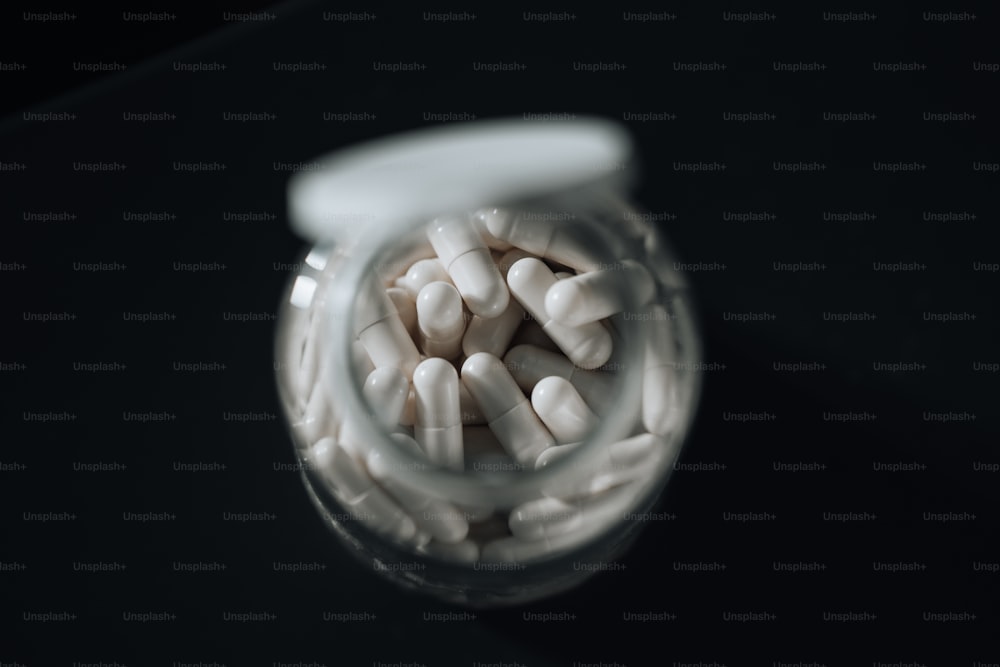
<point>827,179</point>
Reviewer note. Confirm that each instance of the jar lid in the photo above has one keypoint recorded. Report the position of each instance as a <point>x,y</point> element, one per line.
<point>382,186</point>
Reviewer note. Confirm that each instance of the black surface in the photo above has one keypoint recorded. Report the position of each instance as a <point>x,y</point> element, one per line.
<point>954,363</point>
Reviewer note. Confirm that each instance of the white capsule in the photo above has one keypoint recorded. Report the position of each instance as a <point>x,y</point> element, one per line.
<point>441,320</point>
<point>528,364</point>
<point>505,407</point>
<point>509,259</point>
<point>395,264</point>
<point>406,308</point>
<point>560,407</point>
<point>382,333</point>
<point>318,256</point>
<point>422,273</point>
<point>467,260</point>
<point>441,520</point>
<point>385,391</point>
<point>438,427</point>
<point>493,335</point>
<point>548,526</point>
<point>465,551</point>
<point>418,541</point>
<point>544,238</point>
<point>659,385</point>
<point>545,517</point>
<point>367,502</point>
<point>623,461</point>
<point>362,363</point>
<point>481,219</point>
<point>595,519</point>
<point>588,345</point>
<point>304,339</point>
<point>592,296</point>
<point>316,421</point>
<point>409,444</point>
<point>303,291</point>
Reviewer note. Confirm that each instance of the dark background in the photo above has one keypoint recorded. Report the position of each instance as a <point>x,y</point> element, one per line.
<point>942,609</point>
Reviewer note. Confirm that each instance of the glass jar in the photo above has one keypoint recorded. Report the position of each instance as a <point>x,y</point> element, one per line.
<point>545,487</point>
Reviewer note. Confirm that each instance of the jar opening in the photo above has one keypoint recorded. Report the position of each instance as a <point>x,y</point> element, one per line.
<point>375,264</point>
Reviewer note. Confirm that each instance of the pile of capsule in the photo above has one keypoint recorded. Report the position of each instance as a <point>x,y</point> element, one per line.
<point>492,356</point>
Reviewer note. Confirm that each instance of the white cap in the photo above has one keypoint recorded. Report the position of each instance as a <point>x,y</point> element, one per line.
<point>383,186</point>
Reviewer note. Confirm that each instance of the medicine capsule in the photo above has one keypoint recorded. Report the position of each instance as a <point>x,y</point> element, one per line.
<point>438,427</point>
<point>395,264</point>
<point>587,346</point>
<point>620,462</point>
<point>303,291</point>
<point>545,517</point>
<point>467,260</point>
<point>382,333</point>
<point>465,551</point>
<point>509,259</point>
<point>441,320</point>
<point>549,518</point>
<point>596,516</point>
<point>592,296</point>
<point>481,219</point>
<point>543,238</point>
<point>441,520</point>
<point>406,308</point>
<point>385,390</point>
<point>360,360</point>
<point>422,273</point>
<point>359,493</point>
<point>505,407</point>
<point>307,375</point>
<point>659,384</point>
<point>560,407</point>
<point>316,421</point>
<point>528,364</point>
<point>419,541</point>
<point>493,335</point>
